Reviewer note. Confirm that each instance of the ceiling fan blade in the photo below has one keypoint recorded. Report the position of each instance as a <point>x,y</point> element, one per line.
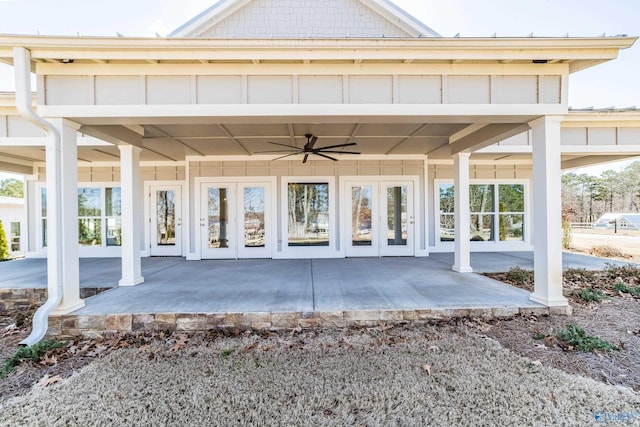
<point>276,151</point>
<point>349,144</point>
<point>306,156</point>
<point>282,157</point>
<point>337,152</point>
<point>284,145</point>
<point>326,157</point>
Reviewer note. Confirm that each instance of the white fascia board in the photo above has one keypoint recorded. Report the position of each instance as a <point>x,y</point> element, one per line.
<point>299,113</point>
<point>114,48</point>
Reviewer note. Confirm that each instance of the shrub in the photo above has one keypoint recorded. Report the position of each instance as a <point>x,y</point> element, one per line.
<point>4,244</point>
<point>621,287</point>
<point>520,276</point>
<point>34,353</point>
<point>567,238</point>
<point>606,251</point>
<point>628,272</point>
<point>590,294</point>
<point>578,275</point>
<point>576,337</point>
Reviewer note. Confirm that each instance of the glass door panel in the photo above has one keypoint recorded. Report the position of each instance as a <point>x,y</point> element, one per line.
<point>398,219</point>
<point>254,217</point>
<point>218,237</point>
<point>397,216</point>
<point>166,218</point>
<point>361,233</point>
<point>254,227</point>
<point>166,221</point>
<point>218,218</point>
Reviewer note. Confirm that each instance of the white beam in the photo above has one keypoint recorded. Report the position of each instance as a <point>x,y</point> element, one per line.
<point>547,211</point>
<point>131,209</point>
<point>462,213</point>
<point>486,136</point>
<point>62,217</point>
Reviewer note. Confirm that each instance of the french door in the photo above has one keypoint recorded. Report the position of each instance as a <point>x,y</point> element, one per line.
<point>379,218</point>
<point>165,220</point>
<point>236,220</point>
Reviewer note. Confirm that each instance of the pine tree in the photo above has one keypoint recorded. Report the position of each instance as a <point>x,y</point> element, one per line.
<point>4,244</point>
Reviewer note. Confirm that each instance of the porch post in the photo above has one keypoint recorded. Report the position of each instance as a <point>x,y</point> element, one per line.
<point>131,209</point>
<point>547,211</point>
<point>462,263</point>
<point>62,217</point>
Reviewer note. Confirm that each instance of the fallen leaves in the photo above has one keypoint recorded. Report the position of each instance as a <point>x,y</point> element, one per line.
<point>427,369</point>
<point>181,342</point>
<point>46,381</point>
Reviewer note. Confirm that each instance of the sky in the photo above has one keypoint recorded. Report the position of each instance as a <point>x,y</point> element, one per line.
<point>615,83</point>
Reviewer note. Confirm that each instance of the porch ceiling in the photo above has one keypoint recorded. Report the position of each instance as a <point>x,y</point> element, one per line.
<point>170,141</point>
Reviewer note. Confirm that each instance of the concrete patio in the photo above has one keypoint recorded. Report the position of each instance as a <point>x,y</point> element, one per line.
<point>180,294</point>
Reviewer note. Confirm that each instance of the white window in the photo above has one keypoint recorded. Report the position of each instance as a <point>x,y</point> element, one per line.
<point>497,211</point>
<point>99,215</point>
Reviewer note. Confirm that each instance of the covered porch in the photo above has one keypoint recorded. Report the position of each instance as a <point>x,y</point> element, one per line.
<point>287,293</point>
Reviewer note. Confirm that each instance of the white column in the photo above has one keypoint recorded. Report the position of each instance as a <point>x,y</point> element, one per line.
<point>130,215</point>
<point>462,263</point>
<point>547,211</point>
<point>62,217</point>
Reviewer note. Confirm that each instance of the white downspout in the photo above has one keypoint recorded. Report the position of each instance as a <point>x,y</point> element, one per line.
<point>22,66</point>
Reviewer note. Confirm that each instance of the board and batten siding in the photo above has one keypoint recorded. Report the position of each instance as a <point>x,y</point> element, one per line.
<point>360,88</point>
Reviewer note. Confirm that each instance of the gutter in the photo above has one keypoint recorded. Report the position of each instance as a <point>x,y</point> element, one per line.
<point>22,65</point>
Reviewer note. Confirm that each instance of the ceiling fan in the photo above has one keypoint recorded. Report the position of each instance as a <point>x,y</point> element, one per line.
<point>309,148</point>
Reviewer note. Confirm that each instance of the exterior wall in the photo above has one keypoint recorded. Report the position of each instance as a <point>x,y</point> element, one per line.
<point>365,84</point>
<point>304,18</point>
<point>12,125</point>
<point>598,136</point>
<point>426,206</point>
<point>364,168</point>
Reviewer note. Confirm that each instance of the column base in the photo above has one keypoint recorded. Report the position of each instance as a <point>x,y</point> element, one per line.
<point>68,308</point>
<point>549,302</point>
<point>460,269</point>
<point>131,282</point>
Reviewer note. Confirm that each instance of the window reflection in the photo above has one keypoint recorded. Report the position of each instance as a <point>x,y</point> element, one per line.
<point>361,215</point>
<point>308,214</point>
<point>254,217</point>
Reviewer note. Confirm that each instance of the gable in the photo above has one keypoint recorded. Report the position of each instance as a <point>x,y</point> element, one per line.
<point>255,19</point>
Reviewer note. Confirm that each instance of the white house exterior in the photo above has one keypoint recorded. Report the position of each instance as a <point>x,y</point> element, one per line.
<point>623,221</point>
<point>12,215</point>
<point>166,139</point>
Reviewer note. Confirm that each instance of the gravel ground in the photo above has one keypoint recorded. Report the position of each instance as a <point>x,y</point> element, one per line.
<point>418,375</point>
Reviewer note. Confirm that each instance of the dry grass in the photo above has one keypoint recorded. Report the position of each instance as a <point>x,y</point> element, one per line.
<point>444,375</point>
<point>607,251</point>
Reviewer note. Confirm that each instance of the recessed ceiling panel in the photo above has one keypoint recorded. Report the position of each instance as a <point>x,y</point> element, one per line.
<point>387,129</point>
<point>240,130</point>
<point>441,129</point>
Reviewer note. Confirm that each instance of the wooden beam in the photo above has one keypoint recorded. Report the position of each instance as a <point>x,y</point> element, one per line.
<point>487,135</point>
<point>591,160</point>
<point>16,168</point>
<point>115,134</point>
